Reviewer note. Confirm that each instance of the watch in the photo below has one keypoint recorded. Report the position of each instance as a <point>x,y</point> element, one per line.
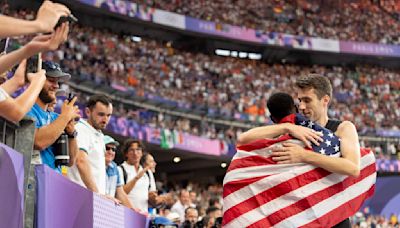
<point>73,135</point>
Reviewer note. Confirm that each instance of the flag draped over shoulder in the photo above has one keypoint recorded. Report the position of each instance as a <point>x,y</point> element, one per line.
<point>260,193</point>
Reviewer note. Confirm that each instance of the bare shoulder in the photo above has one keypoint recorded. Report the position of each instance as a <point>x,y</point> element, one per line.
<point>347,130</point>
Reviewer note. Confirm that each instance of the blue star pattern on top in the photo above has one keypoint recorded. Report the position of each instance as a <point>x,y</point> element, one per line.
<point>331,144</point>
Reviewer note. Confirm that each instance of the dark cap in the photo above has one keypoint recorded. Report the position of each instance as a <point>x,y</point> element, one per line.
<point>53,70</point>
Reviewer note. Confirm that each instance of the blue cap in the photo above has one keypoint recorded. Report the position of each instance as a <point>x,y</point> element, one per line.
<point>110,140</point>
<point>53,70</point>
<point>162,221</point>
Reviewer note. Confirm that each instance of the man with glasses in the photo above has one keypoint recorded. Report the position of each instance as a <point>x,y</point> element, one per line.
<point>50,125</point>
<point>113,182</point>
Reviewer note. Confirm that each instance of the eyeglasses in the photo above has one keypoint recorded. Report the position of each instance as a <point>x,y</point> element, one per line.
<point>113,149</point>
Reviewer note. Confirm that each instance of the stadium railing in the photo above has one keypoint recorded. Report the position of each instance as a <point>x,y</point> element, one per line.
<point>37,196</point>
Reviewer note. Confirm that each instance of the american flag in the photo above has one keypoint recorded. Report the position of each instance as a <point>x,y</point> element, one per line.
<point>260,193</point>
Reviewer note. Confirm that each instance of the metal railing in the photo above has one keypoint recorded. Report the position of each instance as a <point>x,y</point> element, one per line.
<point>20,136</point>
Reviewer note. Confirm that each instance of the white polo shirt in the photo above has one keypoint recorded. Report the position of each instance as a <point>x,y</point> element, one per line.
<point>91,141</point>
<point>139,195</point>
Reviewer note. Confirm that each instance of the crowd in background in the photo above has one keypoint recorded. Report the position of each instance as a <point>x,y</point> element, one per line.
<point>364,220</point>
<point>368,96</point>
<point>363,20</point>
<point>365,95</point>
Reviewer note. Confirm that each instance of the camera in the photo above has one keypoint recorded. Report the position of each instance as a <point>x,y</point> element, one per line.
<point>34,64</point>
<point>61,152</point>
<point>70,19</point>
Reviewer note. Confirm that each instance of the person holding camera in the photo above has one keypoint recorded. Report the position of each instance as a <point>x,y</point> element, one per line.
<point>50,125</point>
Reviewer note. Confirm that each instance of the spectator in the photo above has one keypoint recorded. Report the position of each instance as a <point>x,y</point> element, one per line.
<point>193,197</point>
<point>214,212</point>
<point>50,125</point>
<point>183,203</point>
<point>147,160</point>
<point>47,17</point>
<point>14,109</point>
<point>191,218</point>
<point>40,43</point>
<point>136,184</point>
<point>113,184</point>
<point>90,170</point>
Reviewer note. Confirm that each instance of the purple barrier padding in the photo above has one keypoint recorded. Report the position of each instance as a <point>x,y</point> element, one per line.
<point>134,219</point>
<point>11,187</point>
<point>386,199</point>
<point>369,48</point>
<point>106,214</point>
<point>60,202</point>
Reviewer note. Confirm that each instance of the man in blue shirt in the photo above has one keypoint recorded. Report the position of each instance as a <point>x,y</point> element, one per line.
<point>50,125</point>
<point>113,184</point>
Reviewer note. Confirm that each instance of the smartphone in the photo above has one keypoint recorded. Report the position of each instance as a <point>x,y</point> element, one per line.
<point>70,18</point>
<point>70,97</point>
<point>34,63</point>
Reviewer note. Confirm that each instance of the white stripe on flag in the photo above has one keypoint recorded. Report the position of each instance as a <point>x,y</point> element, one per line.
<point>282,201</point>
<point>329,204</point>
<point>259,186</point>
<point>258,171</point>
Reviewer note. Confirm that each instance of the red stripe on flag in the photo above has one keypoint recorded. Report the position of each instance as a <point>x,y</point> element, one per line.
<point>313,199</point>
<point>262,143</point>
<point>250,161</point>
<point>342,212</point>
<point>272,193</point>
<point>233,186</point>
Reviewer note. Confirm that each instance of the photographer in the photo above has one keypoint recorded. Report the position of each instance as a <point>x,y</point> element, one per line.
<point>50,125</point>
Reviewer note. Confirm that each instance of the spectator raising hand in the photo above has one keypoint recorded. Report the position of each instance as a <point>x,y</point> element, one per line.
<point>15,109</point>
<point>40,43</point>
<point>47,17</point>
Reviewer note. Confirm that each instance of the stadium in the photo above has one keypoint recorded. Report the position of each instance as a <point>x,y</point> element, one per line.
<point>184,83</point>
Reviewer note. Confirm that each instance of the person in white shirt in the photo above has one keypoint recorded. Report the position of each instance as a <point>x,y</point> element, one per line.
<point>136,184</point>
<point>89,169</point>
<point>183,203</point>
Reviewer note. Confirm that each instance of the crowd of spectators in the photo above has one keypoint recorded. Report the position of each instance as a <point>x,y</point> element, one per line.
<point>391,6</point>
<point>227,84</point>
<point>366,95</point>
<point>361,20</point>
<point>364,220</point>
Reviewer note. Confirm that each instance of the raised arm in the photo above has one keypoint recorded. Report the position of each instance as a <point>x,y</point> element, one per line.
<point>131,184</point>
<point>306,135</point>
<point>47,17</point>
<point>348,164</point>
